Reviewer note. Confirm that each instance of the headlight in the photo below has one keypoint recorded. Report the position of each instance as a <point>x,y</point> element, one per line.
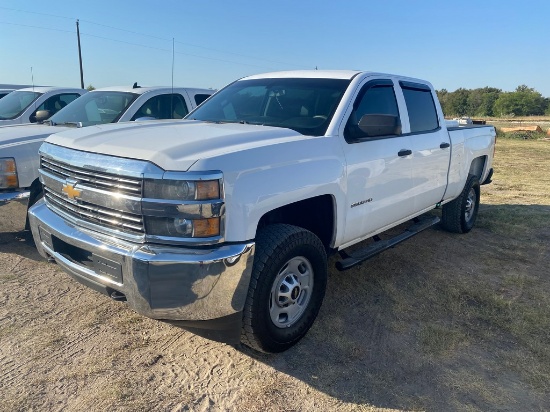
<point>8,173</point>
<point>181,227</point>
<point>182,189</point>
<point>190,207</point>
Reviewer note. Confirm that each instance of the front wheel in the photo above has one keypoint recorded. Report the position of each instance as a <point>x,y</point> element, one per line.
<point>36,194</point>
<point>460,215</point>
<point>286,290</point>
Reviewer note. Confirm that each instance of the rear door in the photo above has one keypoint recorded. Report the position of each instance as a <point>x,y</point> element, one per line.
<point>430,144</point>
<point>379,168</point>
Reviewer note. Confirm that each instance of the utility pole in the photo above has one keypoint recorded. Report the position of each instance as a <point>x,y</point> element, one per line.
<point>79,56</point>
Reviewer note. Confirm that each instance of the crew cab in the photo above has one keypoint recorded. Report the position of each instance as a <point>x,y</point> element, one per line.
<point>19,145</point>
<point>222,224</point>
<point>35,104</point>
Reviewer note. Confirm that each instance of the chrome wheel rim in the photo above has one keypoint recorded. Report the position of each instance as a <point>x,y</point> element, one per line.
<point>291,292</point>
<point>470,205</point>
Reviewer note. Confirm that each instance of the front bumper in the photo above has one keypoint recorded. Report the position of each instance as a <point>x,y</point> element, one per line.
<point>19,196</point>
<point>162,282</point>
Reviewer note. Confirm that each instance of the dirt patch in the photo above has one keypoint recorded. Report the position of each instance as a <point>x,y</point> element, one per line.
<point>441,322</point>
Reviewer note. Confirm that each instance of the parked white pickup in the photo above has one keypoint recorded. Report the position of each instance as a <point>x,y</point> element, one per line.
<point>223,224</point>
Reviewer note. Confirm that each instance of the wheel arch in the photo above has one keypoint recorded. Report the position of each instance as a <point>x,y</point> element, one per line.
<point>477,166</point>
<point>316,214</point>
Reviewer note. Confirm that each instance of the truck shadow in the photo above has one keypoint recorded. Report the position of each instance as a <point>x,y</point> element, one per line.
<point>20,243</point>
<point>371,344</point>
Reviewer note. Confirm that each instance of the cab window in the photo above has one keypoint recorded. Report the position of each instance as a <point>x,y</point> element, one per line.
<point>421,107</point>
<point>164,106</point>
<point>377,100</point>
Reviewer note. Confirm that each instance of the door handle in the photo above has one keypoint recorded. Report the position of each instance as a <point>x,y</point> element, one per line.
<point>404,152</point>
<point>444,145</point>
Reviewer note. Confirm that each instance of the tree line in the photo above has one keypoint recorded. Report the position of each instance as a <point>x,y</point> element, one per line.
<point>492,102</point>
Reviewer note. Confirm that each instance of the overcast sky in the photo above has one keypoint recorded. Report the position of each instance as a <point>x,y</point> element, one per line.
<point>450,43</point>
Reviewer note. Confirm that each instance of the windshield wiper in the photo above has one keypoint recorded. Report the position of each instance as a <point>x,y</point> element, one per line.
<point>49,122</point>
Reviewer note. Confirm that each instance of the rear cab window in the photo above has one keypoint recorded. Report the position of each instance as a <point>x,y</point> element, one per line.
<point>421,107</point>
<point>199,98</point>
<point>163,106</point>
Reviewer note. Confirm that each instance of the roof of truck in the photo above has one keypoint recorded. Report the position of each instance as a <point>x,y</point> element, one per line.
<point>314,74</point>
<point>145,89</point>
<point>46,89</point>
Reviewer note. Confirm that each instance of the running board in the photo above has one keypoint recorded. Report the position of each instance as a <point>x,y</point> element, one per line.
<point>350,260</point>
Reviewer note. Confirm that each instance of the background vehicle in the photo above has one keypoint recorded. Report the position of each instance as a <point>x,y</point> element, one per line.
<point>6,88</point>
<point>223,224</point>
<point>35,104</point>
<point>5,92</point>
<point>19,144</point>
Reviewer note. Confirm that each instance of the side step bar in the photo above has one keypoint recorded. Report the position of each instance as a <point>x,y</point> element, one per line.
<point>350,260</point>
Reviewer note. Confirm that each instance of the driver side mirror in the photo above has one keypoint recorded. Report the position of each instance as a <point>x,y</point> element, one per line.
<point>40,116</point>
<point>373,125</point>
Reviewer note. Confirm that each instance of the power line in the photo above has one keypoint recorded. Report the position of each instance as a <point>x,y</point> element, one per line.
<point>36,12</point>
<point>182,53</point>
<point>237,54</point>
<point>141,45</point>
<point>158,38</point>
<point>37,27</point>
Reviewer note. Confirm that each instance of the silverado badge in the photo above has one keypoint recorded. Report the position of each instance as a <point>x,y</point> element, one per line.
<point>71,192</point>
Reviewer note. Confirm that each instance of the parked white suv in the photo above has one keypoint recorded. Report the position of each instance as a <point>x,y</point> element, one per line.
<point>35,104</point>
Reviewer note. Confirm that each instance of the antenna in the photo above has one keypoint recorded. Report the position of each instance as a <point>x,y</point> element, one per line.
<point>32,80</point>
<point>172,96</point>
<point>173,53</point>
<point>79,55</point>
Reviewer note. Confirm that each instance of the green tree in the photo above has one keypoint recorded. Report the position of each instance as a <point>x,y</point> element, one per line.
<point>524,101</point>
<point>481,101</point>
<point>90,88</point>
<point>442,97</point>
<point>457,103</point>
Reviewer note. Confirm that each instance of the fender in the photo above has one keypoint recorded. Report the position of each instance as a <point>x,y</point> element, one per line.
<point>262,179</point>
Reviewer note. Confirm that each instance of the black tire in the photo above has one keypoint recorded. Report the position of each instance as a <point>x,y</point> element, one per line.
<point>459,216</point>
<point>286,289</point>
<point>36,194</point>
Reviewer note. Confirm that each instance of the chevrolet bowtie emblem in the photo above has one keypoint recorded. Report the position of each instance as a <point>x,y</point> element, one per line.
<point>70,190</point>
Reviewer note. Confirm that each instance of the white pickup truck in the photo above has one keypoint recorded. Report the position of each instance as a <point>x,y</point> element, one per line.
<point>222,224</point>
<point>19,145</point>
<point>35,104</point>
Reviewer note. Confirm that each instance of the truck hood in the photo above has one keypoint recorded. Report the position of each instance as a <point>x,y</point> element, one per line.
<point>172,145</point>
<point>26,133</point>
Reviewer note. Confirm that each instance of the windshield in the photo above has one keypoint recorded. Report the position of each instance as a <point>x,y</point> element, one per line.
<point>15,103</point>
<point>303,105</point>
<point>95,107</point>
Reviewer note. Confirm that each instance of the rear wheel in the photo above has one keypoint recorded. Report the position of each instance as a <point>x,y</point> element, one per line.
<point>286,288</point>
<point>460,215</point>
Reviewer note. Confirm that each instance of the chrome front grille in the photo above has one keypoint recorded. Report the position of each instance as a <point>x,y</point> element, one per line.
<point>106,181</point>
<point>107,200</point>
<point>106,217</point>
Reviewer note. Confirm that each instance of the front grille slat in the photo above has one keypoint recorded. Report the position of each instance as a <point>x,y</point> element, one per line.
<point>80,209</point>
<point>122,184</point>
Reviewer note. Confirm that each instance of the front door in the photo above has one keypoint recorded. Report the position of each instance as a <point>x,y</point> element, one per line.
<point>379,168</point>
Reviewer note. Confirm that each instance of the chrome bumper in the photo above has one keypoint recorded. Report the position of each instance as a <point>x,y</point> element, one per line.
<point>22,196</point>
<point>160,282</point>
